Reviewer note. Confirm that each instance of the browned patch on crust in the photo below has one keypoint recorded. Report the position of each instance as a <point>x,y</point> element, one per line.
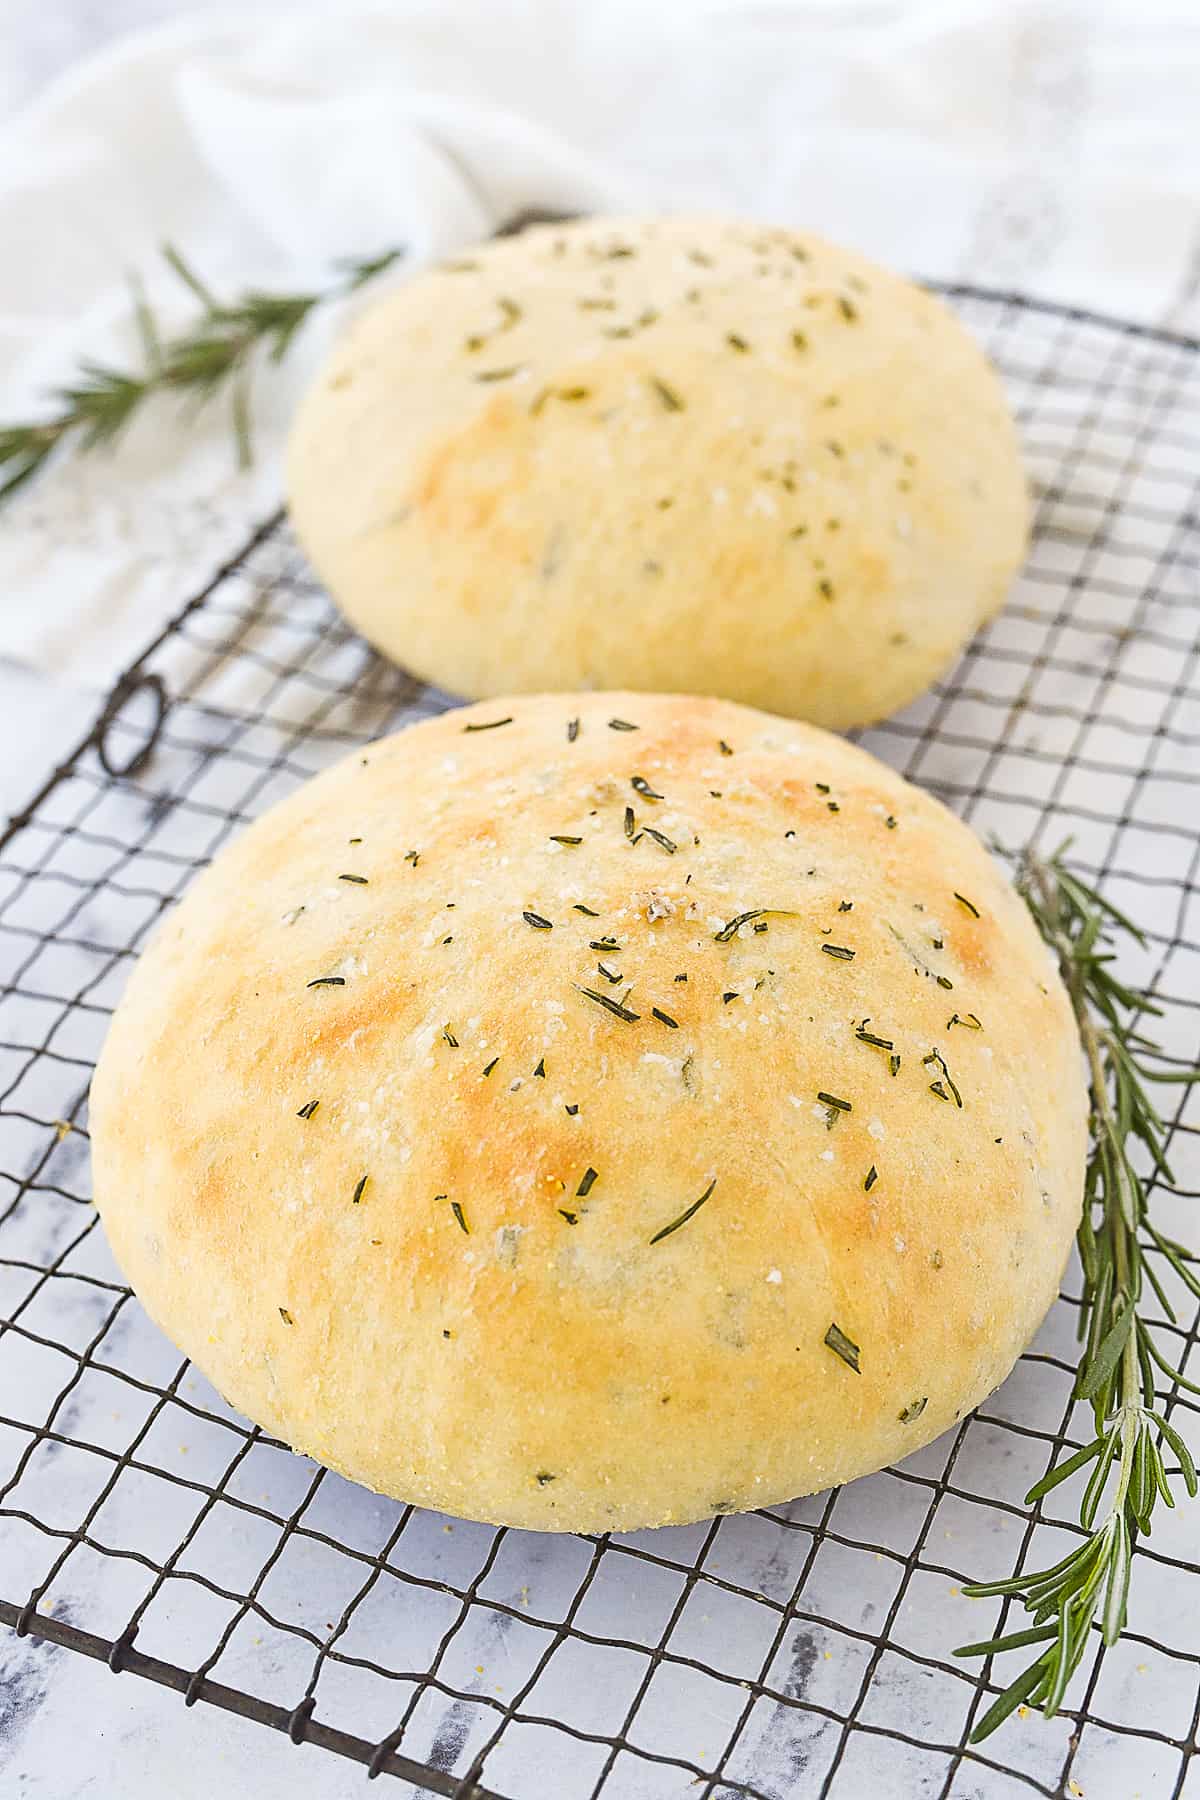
<point>471,480</point>
<point>973,941</point>
<point>870,572</point>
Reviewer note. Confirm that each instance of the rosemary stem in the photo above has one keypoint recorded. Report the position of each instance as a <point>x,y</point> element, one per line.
<point>1128,1413</point>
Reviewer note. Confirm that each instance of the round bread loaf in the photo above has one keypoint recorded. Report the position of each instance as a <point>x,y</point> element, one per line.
<point>590,1112</point>
<point>677,454</point>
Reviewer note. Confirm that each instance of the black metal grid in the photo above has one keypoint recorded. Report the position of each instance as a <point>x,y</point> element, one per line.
<point>800,1651</point>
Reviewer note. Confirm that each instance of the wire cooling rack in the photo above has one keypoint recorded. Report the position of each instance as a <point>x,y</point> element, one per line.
<point>799,1651</point>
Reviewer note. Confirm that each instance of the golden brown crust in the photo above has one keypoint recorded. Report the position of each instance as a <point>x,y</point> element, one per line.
<point>678,454</point>
<point>483,1326</point>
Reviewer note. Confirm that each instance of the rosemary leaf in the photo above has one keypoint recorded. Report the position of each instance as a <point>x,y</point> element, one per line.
<point>842,1346</point>
<point>683,1218</point>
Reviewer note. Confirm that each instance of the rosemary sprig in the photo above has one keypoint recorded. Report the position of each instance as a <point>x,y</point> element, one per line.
<point>216,353</point>
<point>1129,1475</point>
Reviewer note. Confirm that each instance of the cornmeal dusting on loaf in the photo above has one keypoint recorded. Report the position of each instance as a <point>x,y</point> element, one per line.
<point>451,1205</point>
<point>556,465</point>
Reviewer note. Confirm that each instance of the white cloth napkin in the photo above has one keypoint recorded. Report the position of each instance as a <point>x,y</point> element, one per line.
<point>1048,148</point>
